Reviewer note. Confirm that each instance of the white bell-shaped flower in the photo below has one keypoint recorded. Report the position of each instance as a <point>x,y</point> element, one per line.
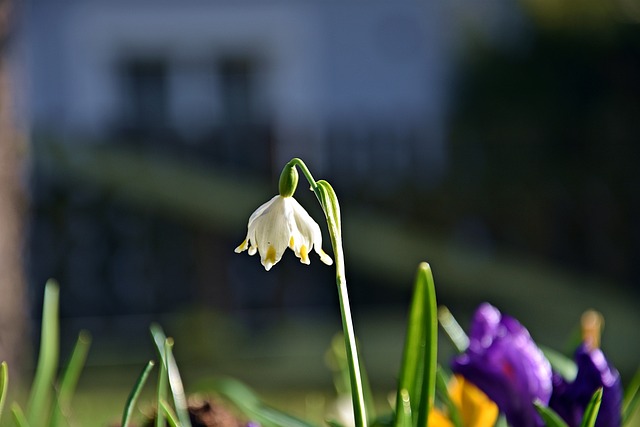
<point>279,224</point>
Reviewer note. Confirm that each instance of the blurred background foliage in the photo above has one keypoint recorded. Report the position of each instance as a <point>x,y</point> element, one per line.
<point>532,200</point>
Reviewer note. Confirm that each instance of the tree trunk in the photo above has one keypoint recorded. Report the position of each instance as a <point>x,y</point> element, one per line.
<point>13,309</point>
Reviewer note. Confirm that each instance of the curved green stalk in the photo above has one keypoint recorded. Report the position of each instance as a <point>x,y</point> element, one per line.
<point>4,384</point>
<point>165,346</point>
<point>42,388</point>
<point>135,393</point>
<point>161,393</point>
<point>18,416</point>
<point>168,413</point>
<point>329,202</point>
<point>70,379</point>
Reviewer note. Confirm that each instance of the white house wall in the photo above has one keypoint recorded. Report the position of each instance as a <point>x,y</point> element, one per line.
<point>97,35</point>
<point>321,65</point>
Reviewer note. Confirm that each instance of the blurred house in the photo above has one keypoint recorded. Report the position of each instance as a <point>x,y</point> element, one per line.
<point>360,90</point>
<point>356,88</point>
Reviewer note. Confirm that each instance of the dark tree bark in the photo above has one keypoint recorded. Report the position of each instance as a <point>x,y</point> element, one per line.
<point>13,309</point>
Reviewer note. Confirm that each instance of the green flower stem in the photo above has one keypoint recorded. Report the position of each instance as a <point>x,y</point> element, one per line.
<point>42,387</point>
<point>4,384</point>
<point>135,394</point>
<point>329,202</point>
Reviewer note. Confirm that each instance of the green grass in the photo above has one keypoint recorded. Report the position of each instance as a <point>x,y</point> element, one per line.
<point>220,202</point>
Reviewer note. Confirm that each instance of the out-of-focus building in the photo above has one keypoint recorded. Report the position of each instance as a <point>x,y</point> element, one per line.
<point>356,87</point>
<point>360,90</point>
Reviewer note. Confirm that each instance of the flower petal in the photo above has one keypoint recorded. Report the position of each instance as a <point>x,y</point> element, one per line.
<point>504,362</point>
<point>279,224</point>
<point>569,400</point>
<point>242,246</point>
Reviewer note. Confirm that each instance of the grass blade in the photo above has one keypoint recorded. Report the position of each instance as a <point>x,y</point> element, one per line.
<point>631,398</point>
<point>135,393</point>
<point>4,385</point>
<point>591,412</point>
<point>168,413</point>
<point>161,393</point>
<point>70,377</point>
<point>165,346</point>
<point>177,389</point>
<point>549,416</point>
<point>452,328</point>
<point>251,405</point>
<point>18,416</point>
<point>418,369</point>
<point>42,388</point>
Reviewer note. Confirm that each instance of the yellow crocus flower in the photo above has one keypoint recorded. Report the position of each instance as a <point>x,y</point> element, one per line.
<point>476,409</point>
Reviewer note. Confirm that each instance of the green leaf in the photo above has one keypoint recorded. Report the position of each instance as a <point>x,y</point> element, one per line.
<point>4,385</point>
<point>42,388</point>
<point>549,416</point>
<point>560,363</point>
<point>452,328</point>
<point>591,412</point>
<point>443,391</point>
<point>18,416</point>
<point>135,393</point>
<point>252,406</point>
<point>631,398</point>
<point>403,412</point>
<point>70,377</point>
<point>419,360</point>
<point>164,346</point>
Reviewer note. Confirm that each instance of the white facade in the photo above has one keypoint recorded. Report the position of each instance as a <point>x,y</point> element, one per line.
<point>316,69</point>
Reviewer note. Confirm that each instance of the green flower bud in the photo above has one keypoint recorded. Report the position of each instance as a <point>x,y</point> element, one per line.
<point>288,180</point>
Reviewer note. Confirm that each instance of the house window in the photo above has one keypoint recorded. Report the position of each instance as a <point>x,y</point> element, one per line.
<point>145,96</point>
<point>237,91</point>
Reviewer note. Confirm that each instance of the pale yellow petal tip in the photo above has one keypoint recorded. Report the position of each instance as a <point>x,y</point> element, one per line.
<point>304,255</point>
<point>325,258</point>
<point>242,247</point>
<point>270,258</point>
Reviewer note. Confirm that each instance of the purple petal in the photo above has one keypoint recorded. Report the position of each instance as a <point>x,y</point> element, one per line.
<point>504,362</point>
<point>569,400</point>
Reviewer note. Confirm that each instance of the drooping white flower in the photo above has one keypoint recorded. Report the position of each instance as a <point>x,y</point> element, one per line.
<point>279,224</point>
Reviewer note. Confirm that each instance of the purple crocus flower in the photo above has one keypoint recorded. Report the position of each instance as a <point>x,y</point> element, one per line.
<point>503,361</point>
<point>569,399</point>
